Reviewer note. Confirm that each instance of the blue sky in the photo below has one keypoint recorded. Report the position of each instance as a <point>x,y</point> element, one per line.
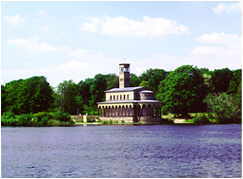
<point>76,40</point>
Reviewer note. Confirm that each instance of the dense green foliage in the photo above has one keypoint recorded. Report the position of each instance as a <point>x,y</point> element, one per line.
<point>27,96</point>
<point>37,119</point>
<point>183,91</point>
<point>92,91</point>
<point>226,107</point>
<point>235,82</point>
<point>152,78</point>
<point>214,95</point>
<point>204,118</point>
<point>220,80</point>
<point>68,98</point>
<point>134,80</point>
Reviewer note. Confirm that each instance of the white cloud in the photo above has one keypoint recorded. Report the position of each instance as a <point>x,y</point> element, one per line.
<point>42,13</point>
<point>122,26</point>
<point>218,43</point>
<point>226,8</point>
<point>75,69</point>
<point>44,28</point>
<point>207,50</point>
<point>216,50</point>
<point>33,45</point>
<point>219,38</point>
<point>14,20</point>
<point>78,53</point>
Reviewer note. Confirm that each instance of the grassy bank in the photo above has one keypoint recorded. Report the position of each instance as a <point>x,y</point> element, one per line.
<point>198,119</point>
<point>64,119</point>
<point>37,119</point>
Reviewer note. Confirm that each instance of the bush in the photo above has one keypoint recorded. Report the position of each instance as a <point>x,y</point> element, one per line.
<point>24,120</point>
<point>60,116</point>
<point>40,115</point>
<point>37,119</point>
<point>8,115</point>
<point>43,121</point>
<point>226,107</point>
<point>59,123</point>
<point>204,118</point>
<point>53,123</point>
<point>8,119</point>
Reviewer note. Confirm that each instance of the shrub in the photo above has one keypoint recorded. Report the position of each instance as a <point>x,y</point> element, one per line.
<point>226,107</point>
<point>53,123</point>
<point>40,115</point>
<point>43,121</point>
<point>203,118</point>
<point>60,116</point>
<point>8,119</point>
<point>24,120</point>
<point>8,115</point>
<point>37,119</point>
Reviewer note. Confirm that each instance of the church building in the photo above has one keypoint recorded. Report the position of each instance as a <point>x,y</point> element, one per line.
<point>129,104</point>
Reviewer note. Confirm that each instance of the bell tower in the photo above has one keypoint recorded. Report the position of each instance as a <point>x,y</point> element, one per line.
<point>124,75</point>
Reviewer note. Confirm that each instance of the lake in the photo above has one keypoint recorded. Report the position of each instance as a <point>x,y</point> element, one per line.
<point>122,151</point>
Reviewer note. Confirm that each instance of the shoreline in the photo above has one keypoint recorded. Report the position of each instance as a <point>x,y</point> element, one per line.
<point>124,124</point>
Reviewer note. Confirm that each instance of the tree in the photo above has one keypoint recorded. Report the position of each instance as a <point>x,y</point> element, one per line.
<point>97,89</point>
<point>70,99</point>
<point>227,107</point>
<point>84,87</point>
<point>112,81</point>
<point>235,82</point>
<point>145,84</point>
<point>134,80</point>
<point>39,94</point>
<point>3,99</point>
<point>182,91</point>
<point>153,78</point>
<point>220,80</point>
<point>28,96</point>
<point>207,75</point>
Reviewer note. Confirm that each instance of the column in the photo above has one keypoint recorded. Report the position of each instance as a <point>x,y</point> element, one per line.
<point>123,111</point>
<point>129,111</point>
<point>103,111</point>
<point>112,112</point>
<point>117,112</point>
<point>109,109</point>
<point>100,111</point>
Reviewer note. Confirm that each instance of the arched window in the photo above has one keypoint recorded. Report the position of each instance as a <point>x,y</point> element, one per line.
<point>110,97</point>
<point>120,97</point>
<point>124,97</point>
<point>128,96</point>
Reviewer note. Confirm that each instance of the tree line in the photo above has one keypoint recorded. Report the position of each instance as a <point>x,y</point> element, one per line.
<point>185,90</point>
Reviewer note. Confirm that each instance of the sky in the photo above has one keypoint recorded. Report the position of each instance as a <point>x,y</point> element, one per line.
<point>77,40</point>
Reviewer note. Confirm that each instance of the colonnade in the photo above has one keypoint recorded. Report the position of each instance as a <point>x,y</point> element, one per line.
<point>130,110</point>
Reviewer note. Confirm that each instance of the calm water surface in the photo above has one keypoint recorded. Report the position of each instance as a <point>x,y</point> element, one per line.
<point>122,151</point>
